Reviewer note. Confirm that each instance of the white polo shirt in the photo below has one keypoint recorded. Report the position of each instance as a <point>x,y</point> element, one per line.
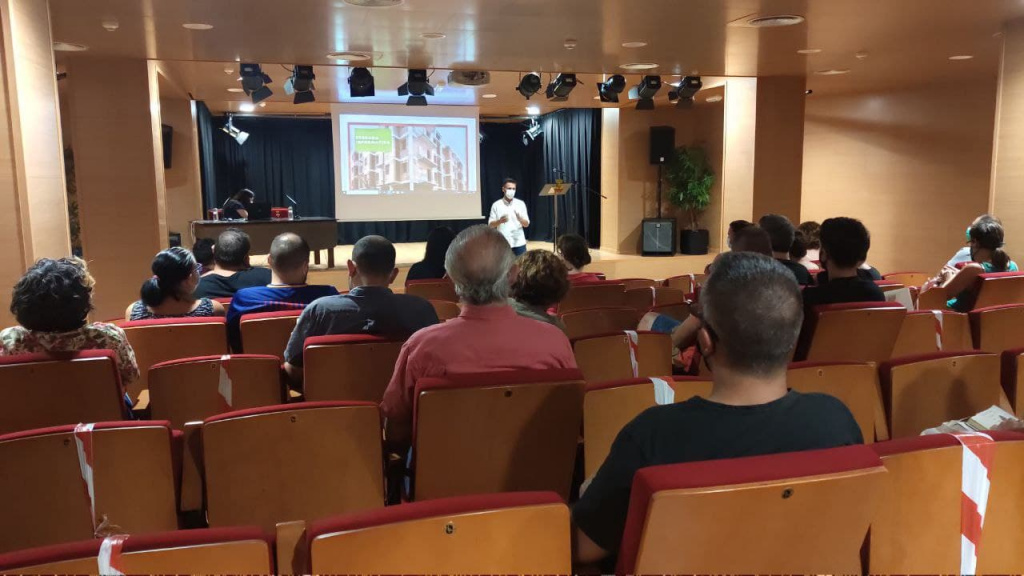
<point>511,229</point>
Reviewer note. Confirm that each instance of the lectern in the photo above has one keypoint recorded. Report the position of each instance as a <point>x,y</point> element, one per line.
<point>555,191</point>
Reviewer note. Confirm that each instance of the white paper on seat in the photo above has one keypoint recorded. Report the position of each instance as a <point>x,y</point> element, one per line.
<point>224,386</point>
<point>109,558</point>
<point>902,296</point>
<point>83,446</point>
<point>663,392</point>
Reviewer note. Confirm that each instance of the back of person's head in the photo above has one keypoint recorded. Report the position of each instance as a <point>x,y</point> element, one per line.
<point>753,238</point>
<point>244,195</point>
<point>542,280</point>
<point>288,253</point>
<point>478,262</point>
<point>753,307</point>
<point>374,257</point>
<point>53,295</point>
<point>438,241</point>
<point>171,269</point>
<point>232,249</point>
<point>799,248</point>
<point>737,225</point>
<point>574,249</point>
<point>988,234</point>
<point>780,230</point>
<point>812,234</point>
<point>845,242</point>
<point>203,251</point>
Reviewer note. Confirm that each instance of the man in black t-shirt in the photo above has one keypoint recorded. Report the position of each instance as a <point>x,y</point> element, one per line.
<point>844,248</point>
<point>231,268</point>
<point>783,234</point>
<point>752,314</point>
<point>237,206</point>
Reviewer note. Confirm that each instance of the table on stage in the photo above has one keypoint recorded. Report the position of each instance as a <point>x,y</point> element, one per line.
<point>319,233</point>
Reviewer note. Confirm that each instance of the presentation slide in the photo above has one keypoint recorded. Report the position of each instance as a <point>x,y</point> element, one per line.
<point>400,163</point>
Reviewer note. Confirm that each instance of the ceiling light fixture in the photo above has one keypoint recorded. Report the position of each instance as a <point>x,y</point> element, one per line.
<point>374,3</point>
<point>110,25</point>
<point>533,110</point>
<point>247,107</point>
<point>714,99</point>
<point>808,51</point>
<point>532,132</point>
<point>634,44</point>
<point>433,35</point>
<point>417,88</point>
<point>609,90</point>
<point>639,66</point>
<point>529,85</point>
<point>360,83</point>
<point>773,21</point>
<point>300,83</point>
<point>561,87</point>
<point>197,26</point>
<point>69,47</point>
<point>961,57</point>
<point>685,91</point>
<point>235,90</point>
<point>230,130</point>
<point>645,91</point>
<point>254,82</point>
<point>833,72</point>
<point>488,96</point>
<point>346,56</point>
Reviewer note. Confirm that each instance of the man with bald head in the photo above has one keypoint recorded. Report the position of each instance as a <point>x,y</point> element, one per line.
<point>487,336</point>
<point>289,266</point>
<point>370,307</point>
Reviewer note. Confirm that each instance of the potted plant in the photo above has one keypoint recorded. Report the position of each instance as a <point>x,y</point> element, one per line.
<point>690,179</point>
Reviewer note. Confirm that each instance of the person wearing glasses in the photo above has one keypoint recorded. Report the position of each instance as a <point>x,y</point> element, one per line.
<point>169,293</point>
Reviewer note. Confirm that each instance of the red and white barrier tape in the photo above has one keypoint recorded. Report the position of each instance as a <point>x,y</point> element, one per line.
<point>938,329</point>
<point>224,386</point>
<point>83,445</point>
<point>109,558</point>
<point>975,482</point>
<point>634,346</point>
<point>663,392</point>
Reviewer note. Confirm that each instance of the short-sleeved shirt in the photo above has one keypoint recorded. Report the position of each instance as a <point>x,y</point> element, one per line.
<point>537,313</point>
<point>481,339</point>
<point>269,299</point>
<point>965,300</point>
<point>217,286</point>
<point>512,229</point>
<point>803,277</point>
<point>96,336</point>
<point>142,312</point>
<point>364,310</point>
<point>231,208</point>
<point>698,430</point>
<point>840,290</point>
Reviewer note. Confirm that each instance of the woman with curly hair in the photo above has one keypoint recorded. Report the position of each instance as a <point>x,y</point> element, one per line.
<point>52,302</point>
<point>542,282</point>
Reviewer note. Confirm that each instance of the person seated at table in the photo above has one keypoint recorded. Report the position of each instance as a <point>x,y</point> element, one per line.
<point>237,206</point>
<point>844,248</point>
<point>432,265</point>
<point>289,267</point>
<point>169,293</point>
<point>542,282</point>
<point>231,268</point>
<point>576,254</point>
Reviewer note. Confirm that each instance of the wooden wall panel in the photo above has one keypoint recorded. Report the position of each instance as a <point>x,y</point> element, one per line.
<point>184,194</point>
<point>778,168</point>
<point>1007,199</point>
<point>738,165</point>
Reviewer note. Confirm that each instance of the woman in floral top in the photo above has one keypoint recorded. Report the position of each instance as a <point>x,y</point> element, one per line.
<point>52,302</point>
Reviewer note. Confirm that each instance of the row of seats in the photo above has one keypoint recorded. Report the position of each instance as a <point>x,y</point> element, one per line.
<point>893,508</point>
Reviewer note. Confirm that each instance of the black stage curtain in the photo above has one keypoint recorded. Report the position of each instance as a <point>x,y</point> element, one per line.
<point>294,156</point>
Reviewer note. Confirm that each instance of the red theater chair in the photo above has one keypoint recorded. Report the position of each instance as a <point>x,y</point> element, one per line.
<point>998,288</point>
<point>445,310</point>
<point>594,321</point>
<point>1012,377</point>
<point>855,384</point>
<point>268,332</point>
<point>934,299</point>
<point>922,332</point>
<point>216,551</point>
<point>290,462</point>
<point>432,290</point>
<point>160,340</point>
<point>43,486</point>
<point>515,533</point>
<point>607,294</point>
<point>354,367</point>
<point>612,356</point>
<point>998,328</point>
<point>634,283</point>
<point>496,432</point>
<point>41,390</point>
<point>852,332</point>
<point>916,279</point>
<point>193,389</point>
<point>678,312</point>
<point>796,513</point>
<point>686,283</point>
<point>642,300</point>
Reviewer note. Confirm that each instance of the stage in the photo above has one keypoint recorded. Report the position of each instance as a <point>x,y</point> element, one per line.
<point>611,264</point>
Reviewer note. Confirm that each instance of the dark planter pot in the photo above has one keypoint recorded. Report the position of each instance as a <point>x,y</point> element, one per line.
<point>694,242</point>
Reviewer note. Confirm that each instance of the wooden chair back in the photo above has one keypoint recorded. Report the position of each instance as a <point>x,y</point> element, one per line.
<point>432,290</point>
<point>303,461</point>
<point>928,331</point>
<point>934,299</point>
<point>445,309</point>
<point>43,491</point>
<point>594,321</point>
<point>41,390</point>
<point>194,389</point>
<point>889,285</point>
<point>515,533</point>
<point>795,513</point>
<point>615,356</point>
<point>209,551</point>
<point>268,333</point>
<point>593,295</point>
<point>634,283</point>
<point>349,367</point>
<point>496,432</point>
<point>855,384</point>
<point>1011,376</point>
<point>643,300</point>
<point>678,312</point>
<point>924,391</point>
<point>685,283</point>
<point>916,279</point>
<point>156,341</point>
<point>852,332</point>
<point>999,288</point>
<point>998,328</point>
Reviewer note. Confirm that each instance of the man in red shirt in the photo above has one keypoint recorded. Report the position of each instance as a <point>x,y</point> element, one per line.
<point>487,336</point>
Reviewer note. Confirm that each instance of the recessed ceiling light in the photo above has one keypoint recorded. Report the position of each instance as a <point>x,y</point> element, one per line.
<point>597,97</point>
<point>775,21</point>
<point>235,90</point>
<point>69,47</point>
<point>197,26</point>
<point>489,96</point>
<point>961,57</point>
<point>714,99</point>
<point>533,110</point>
<point>809,51</point>
<point>833,72</point>
<point>246,107</point>
<point>263,104</point>
<point>433,35</point>
<point>634,44</point>
<point>350,56</point>
<point>374,3</point>
<point>639,66</point>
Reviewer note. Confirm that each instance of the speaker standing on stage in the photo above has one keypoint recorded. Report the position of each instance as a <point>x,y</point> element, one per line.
<point>236,207</point>
<point>509,216</point>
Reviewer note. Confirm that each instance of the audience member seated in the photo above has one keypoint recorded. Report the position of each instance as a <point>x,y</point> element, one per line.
<point>987,255</point>
<point>734,227</point>
<point>237,206</point>
<point>798,253</point>
<point>203,251</point>
<point>844,248</point>
<point>963,255</point>
<point>812,238</point>
<point>289,266</point>
<point>751,238</point>
<point>169,293</point>
<point>231,269</point>
<point>542,282</point>
<point>782,234</point>
<point>575,253</point>
<point>370,307</point>
<point>432,265</point>
<point>52,302</point>
<point>487,335</point>
<point>752,316</point>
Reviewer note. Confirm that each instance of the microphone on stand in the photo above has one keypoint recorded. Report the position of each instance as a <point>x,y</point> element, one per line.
<point>295,204</point>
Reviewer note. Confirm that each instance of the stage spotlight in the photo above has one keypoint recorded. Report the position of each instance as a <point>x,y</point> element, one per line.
<point>685,91</point>
<point>417,88</point>
<point>254,82</point>
<point>235,133</point>
<point>529,85</point>
<point>531,133</point>
<point>561,87</point>
<point>360,83</point>
<point>300,83</point>
<point>610,89</point>
<point>645,91</point>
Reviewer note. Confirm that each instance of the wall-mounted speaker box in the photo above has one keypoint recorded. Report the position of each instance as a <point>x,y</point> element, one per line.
<point>659,237</point>
<point>663,144</point>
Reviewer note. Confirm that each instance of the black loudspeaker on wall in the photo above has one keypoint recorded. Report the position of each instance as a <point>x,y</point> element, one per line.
<point>659,237</point>
<point>663,143</point>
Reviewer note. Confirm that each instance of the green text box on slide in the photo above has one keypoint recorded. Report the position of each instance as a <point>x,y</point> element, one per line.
<point>373,140</point>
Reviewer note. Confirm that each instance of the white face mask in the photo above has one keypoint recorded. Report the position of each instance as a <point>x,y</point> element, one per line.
<point>510,193</point>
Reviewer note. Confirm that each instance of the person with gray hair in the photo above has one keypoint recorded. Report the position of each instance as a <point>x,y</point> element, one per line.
<point>751,318</point>
<point>487,336</point>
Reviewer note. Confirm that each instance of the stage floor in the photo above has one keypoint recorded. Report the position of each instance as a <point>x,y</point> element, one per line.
<point>611,264</point>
